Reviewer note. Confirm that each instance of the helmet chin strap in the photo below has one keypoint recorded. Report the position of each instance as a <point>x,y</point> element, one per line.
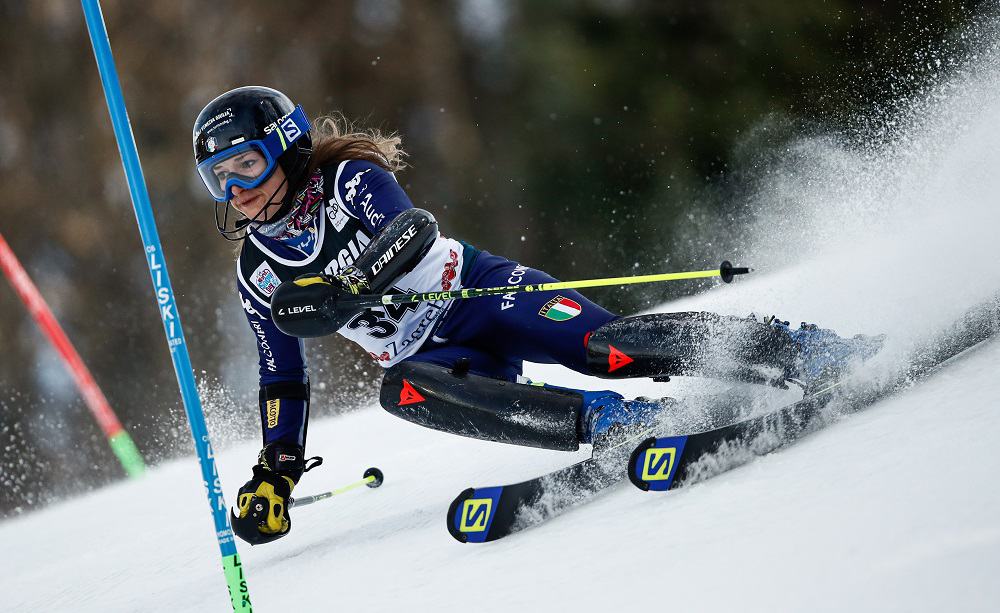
<point>292,179</point>
<point>285,206</point>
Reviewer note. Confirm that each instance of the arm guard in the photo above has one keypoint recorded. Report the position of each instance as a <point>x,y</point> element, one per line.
<point>314,305</point>
<point>395,251</point>
<point>284,413</point>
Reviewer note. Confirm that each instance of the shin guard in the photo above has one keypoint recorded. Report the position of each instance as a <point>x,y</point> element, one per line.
<point>691,344</point>
<point>483,408</point>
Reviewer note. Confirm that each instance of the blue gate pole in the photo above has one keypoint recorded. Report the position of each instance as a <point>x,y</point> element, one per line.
<point>233,569</point>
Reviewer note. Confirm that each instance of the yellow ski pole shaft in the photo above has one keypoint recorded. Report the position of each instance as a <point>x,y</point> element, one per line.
<point>726,272</point>
<point>373,478</point>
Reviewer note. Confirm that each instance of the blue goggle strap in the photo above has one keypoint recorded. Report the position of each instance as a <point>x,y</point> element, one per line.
<point>287,131</point>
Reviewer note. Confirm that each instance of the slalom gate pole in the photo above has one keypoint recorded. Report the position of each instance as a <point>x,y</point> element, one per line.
<point>119,440</point>
<point>373,478</point>
<point>238,591</point>
<point>726,272</point>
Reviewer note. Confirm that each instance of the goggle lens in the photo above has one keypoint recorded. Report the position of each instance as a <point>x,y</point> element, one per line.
<point>244,166</point>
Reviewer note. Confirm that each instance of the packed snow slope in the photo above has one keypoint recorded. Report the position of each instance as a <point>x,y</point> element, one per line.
<point>891,509</point>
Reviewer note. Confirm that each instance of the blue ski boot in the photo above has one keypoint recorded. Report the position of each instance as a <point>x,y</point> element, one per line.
<point>824,356</point>
<point>607,418</point>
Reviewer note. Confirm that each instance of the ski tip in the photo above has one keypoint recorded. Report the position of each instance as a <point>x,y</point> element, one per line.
<point>633,461</point>
<point>454,512</point>
<point>471,514</point>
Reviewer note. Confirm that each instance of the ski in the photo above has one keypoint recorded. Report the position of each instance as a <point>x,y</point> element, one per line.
<point>485,514</point>
<point>661,464</point>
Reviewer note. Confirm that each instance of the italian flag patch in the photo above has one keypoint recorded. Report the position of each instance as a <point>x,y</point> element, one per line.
<point>560,309</point>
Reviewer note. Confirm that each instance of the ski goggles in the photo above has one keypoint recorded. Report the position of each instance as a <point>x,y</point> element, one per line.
<point>247,164</point>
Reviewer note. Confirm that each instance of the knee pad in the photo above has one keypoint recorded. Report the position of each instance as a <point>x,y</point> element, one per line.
<point>483,408</point>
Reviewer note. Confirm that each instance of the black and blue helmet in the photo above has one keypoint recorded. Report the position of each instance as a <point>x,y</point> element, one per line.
<point>242,136</point>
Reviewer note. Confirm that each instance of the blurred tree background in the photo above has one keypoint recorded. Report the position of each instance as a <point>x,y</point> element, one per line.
<point>587,138</point>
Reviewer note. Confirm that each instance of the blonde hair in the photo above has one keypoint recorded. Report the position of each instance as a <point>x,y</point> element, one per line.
<point>336,139</point>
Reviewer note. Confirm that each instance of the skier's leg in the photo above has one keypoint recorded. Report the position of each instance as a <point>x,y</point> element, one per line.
<point>436,389</point>
<point>691,343</point>
<point>711,345</point>
<point>454,400</point>
<point>467,359</point>
<point>568,329</point>
<point>543,327</point>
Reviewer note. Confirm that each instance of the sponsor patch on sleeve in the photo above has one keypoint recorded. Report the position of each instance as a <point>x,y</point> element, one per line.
<point>338,217</point>
<point>265,279</point>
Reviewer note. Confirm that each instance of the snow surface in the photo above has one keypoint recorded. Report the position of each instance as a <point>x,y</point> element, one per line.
<point>895,508</point>
<point>891,509</point>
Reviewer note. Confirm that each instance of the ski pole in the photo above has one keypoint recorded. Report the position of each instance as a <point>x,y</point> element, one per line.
<point>119,440</point>
<point>373,478</point>
<point>726,272</point>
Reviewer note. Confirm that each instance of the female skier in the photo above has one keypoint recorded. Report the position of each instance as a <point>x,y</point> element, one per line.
<point>321,217</point>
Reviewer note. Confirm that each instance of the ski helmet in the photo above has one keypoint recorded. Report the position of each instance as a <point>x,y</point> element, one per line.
<point>240,138</point>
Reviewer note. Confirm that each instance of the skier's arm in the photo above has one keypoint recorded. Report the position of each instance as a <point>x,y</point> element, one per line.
<point>284,384</point>
<point>370,193</point>
<point>284,413</point>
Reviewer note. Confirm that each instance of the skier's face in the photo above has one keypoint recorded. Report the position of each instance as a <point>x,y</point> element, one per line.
<point>266,195</point>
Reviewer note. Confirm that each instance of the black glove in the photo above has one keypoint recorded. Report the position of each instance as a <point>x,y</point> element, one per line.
<point>316,304</point>
<point>261,511</point>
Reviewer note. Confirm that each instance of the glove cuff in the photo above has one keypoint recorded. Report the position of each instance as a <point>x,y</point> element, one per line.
<point>287,460</point>
<point>282,459</point>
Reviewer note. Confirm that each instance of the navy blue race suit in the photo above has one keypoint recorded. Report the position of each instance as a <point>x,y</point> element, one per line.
<point>341,208</point>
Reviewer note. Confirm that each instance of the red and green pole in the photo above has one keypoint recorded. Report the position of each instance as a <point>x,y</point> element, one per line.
<point>121,443</point>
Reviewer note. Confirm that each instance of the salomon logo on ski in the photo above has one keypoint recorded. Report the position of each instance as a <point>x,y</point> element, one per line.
<point>409,395</point>
<point>654,463</point>
<point>471,515</point>
<point>475,514</point>
<point>658,465</point>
